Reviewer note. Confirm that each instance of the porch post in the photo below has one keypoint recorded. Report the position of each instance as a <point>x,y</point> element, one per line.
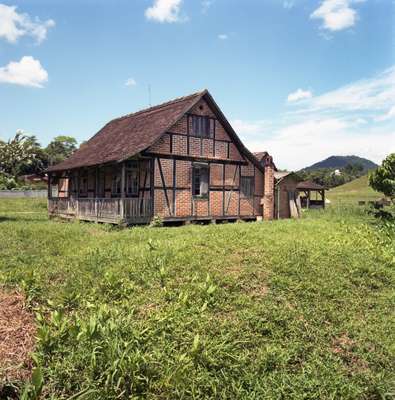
<point>123,192</point>
<point>49,187</point>
<point>96,190</point>
<point>78,194</point>
<point>308,199</point>
<point>323,198</point>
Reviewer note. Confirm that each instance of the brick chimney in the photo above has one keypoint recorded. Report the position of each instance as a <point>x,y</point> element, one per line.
<point>268,193</point>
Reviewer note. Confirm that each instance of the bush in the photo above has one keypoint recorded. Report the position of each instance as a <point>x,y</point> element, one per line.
<point>156,222</point>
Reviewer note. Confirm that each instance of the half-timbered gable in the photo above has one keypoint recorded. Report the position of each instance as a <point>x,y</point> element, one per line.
<point>180,160</point>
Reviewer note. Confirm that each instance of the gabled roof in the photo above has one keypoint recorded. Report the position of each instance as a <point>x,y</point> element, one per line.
<point>127,136</point>
<point>261,156</point>
<point>282,174</point>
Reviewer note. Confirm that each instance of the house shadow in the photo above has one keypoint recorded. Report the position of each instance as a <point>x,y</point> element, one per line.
<point>8,218</point>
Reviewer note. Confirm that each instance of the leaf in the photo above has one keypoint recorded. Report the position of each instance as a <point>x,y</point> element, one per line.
<point>37,380</point>
<point>195,344</point>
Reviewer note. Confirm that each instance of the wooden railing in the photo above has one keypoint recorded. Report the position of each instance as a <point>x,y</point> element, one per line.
<point>102,209</point>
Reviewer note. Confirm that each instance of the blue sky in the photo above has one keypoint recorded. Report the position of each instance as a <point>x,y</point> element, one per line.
<point>303,79</point>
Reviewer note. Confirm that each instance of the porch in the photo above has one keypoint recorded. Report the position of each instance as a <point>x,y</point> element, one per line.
<point>117,193</point>
<point>110,210</point>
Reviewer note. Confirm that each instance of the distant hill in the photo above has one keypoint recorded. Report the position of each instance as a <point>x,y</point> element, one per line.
<point>338,162</point>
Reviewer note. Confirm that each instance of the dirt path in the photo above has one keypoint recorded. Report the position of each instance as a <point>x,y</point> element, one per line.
<point>17,337</point>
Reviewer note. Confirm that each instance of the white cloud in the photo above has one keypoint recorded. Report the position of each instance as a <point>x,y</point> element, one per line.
<point>336,15</point>
<point>389,115</point>
<point>288,4</point>
<point>222,36</point>
<point>165,11</point>
<point>26,72</point>
<point>130,82</point>
<point>300,94</point>
<point>14,25</point>
<point>371,95</point>
<point>358,118</point>
<point>250,128</point>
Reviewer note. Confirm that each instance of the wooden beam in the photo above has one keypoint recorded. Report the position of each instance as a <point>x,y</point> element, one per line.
<point>49,187</point>
<point>122,208</point>
<point>164,185</point>
<point>193,158</point>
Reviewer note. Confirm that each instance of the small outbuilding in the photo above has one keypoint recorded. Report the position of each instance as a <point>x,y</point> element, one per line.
<point>286,196</point>
<point>312,195</point>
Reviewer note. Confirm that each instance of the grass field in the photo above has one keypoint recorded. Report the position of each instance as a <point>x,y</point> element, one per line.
<point>352,192</point>
<point>274,310</point>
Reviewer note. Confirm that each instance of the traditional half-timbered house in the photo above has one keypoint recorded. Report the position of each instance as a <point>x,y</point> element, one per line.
<point>180,160</point>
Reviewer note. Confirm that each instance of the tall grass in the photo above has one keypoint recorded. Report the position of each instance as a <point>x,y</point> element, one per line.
<point>286,309</point>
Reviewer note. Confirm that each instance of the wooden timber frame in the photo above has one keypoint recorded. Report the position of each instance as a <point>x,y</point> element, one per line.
<point>194,169</point>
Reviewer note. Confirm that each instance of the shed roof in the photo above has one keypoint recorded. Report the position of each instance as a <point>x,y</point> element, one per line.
<point>309,185</point>
<point>127,136</point>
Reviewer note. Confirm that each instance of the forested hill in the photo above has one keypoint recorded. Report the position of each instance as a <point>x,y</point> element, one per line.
<point>339,162</point>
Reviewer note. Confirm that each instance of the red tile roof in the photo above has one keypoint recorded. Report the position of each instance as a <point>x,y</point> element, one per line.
<point>126,136</point>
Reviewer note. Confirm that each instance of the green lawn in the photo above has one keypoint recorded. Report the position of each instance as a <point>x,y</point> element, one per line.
<point>352,192</point>
<point>274,310</point>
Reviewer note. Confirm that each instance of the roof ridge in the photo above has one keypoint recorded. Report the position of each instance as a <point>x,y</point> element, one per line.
<point>160,105</point>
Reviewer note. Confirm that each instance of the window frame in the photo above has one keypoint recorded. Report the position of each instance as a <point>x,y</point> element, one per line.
<point>196,128</point>
<point>251,192</point>
<point>199,167</point>
<point>129,172</point>
<point>116,180</point>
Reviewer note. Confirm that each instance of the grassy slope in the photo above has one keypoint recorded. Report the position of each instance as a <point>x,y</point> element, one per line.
<point>290,309</point>
<point>351,192</point>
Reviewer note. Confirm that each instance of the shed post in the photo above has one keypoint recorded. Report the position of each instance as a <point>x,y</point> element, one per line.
<point>308,199</point>
<point>323,198</point>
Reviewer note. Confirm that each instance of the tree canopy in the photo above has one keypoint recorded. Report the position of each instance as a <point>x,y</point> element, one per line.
<point>24,155</point>
<point>383,178</point>
<point>60,148</point>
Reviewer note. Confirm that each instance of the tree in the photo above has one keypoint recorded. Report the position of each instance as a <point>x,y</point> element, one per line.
<point>60,148</point>
<point>383,178</point>
<point>16,154</point>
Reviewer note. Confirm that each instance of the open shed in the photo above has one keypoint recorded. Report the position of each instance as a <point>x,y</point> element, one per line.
<point>312,195</point>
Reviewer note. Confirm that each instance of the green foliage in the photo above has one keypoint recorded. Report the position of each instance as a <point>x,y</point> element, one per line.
<point>17,154</point>
<point>23,155</point>
<point>329,178</point>
<point>289,309</point>
<point>60,148</point>
<point>156,222</point>
<point>383,178</point>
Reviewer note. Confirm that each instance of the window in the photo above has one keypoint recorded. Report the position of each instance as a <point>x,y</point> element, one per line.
<point>116,185</point>
<point>200,180</point>
<point>83,186</point>
<point>247,186</point>
<point>202,126</point>
<point>132,182</point>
